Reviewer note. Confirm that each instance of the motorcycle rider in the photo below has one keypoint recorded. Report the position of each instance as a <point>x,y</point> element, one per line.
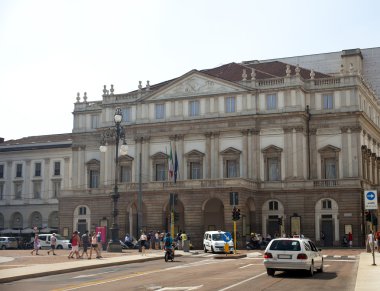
<point>168,243</point>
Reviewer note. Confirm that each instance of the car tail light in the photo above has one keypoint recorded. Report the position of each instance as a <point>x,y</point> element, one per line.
<point>302,257</point>
<point>268,256</point>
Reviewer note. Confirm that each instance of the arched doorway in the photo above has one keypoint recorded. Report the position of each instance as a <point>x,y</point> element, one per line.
<point>251,224</point>
<point>326,222</point>
<point>213,214</point>
<point>179,216</point>
<point>82,218</point>
<point>273,210</point>
<point>131,225</point>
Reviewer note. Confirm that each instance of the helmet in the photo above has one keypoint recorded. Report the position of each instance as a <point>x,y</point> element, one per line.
<point>168,234</point>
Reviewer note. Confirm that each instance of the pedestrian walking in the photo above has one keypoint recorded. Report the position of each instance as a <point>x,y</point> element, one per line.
<point>143,239</point>
<point>53,242</point>
<point>179,240</point>
<point>75,241</point>
<point>370,241</point>
<point>350,239</point>
<point>100,245</point>
<point>94,245</point>
<point>185,242</point>
<point>157,240</point>
<point>378,241</point>
<point>36,245</point>
<point>85,244</point>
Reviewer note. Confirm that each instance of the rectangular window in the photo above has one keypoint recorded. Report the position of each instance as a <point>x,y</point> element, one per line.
<point>230,104</point>
<point>330,169</point>
<point>56,189</point>
<point>94,121</point>
<point>36,190</point>
<point>271,101</point>
<point>231,169</point>
<point>160,172</point>
<point>194,108</point>
<point>273,169</point>
<point>328,101</point>
<point>195,171</point>
<point>1,190</point>
<point>37,169</point>
<point>57,168</point>
<point>18,190</point>
<point>18,170</point>
<point>1,171</point>
<point>126,114</point>
<point>94,179</point>
<point>160,111</point>
<point>125,174</point>
<point>82,211</point>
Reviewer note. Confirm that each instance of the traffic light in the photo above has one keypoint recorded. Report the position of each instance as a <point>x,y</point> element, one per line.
<point>234,212</point>
<point>238,214</point>
<point>280,221</point>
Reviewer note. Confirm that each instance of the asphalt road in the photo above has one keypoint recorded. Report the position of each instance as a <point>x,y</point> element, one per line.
<point>201,272</point>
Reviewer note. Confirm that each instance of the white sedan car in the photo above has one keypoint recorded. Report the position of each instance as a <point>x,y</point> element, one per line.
<point>283,254</point>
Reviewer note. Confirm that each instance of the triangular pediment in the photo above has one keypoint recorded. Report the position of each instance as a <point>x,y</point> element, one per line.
<point>230,151</point>
<point>159,155</point>
<point>194,153</point>
<point>195,83</point>
<point>329,148</point>
<point>272,149</point>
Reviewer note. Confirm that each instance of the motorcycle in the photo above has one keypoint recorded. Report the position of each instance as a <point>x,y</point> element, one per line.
<point>169,254</point>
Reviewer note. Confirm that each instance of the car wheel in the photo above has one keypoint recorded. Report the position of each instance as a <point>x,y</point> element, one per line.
<point>204,248</point>
<point>59,247</point>
<point>212,250</point>
<point>311,271</point>
<point>3,247</point>
<point>320,270</point>
<point>270,272</point>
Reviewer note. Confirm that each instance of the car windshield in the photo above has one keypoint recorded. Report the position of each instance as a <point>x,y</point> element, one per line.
<point>59,237</point>
<point>285,245</point>
<point>217,236</point>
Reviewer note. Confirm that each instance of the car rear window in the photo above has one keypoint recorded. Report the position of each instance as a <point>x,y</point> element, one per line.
<point>285,245</point>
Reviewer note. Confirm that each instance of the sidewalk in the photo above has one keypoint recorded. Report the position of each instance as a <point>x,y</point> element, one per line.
<point>22,265</point>
<point>368,277</point>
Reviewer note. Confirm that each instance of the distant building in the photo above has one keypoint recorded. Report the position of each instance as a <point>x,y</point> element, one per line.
<point>33,170</point>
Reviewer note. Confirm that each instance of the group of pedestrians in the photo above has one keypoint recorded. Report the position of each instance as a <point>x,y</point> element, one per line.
<point>87,241</point>
<point>156,240</point>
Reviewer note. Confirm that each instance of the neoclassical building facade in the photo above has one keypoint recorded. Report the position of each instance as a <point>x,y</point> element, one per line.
<point>298,146</point>
<point>295,140</point>
<point>33,170</point>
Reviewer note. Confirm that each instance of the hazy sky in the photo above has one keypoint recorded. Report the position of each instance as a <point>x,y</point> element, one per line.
<point>50,50</point>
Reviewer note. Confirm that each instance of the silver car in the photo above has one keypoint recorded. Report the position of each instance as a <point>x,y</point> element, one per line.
<point>283,254</point>
<point>7,242</point>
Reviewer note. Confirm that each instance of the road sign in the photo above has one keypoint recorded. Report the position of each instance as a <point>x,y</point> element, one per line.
<point>227,237</point>
<point>370,199</point>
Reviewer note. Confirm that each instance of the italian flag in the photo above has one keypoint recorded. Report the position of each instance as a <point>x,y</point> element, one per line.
<point>171,172</point>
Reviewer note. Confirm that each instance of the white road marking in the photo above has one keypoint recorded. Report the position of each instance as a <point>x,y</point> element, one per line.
<point>91,275</point>
<point>242,282</point>
<point>180,288</point>
<point>250,265</point>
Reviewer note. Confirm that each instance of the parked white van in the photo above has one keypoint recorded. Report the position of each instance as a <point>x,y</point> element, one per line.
<point>62,243</point>
<point>214,241</point>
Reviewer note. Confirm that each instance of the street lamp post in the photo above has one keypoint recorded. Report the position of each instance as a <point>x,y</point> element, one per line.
<point>117,133</point>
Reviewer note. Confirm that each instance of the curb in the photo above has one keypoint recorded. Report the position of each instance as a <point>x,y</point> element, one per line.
<point>79,268</point>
